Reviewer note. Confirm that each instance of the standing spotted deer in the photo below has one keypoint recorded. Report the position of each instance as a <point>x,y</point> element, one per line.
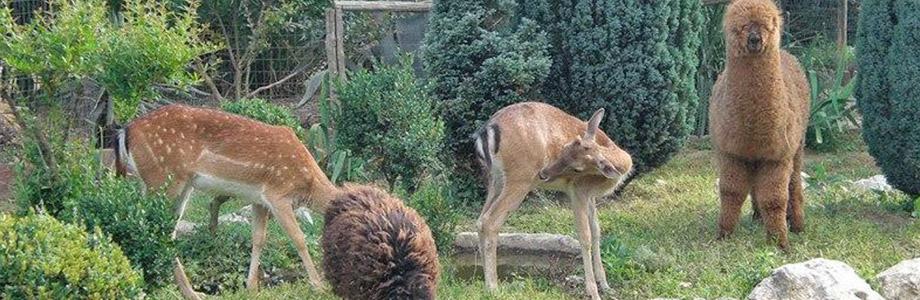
<point>184,148</point>
<point>532,145</point>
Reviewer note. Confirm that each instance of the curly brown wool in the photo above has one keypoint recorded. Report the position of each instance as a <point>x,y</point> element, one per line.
<point>374,247</point>
<point>758,116</point>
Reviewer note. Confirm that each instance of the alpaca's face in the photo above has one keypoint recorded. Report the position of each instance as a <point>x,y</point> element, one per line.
<point>752,27</point>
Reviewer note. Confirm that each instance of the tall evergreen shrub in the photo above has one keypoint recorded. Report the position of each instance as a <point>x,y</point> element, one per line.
<point>889,65</point>
<point>478,62</point>
<point>637,59</point>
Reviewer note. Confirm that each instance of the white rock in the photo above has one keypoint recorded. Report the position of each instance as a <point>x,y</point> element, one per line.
<point>304,214</point>
<point>874,183</point>
<point>185,227</point>
<point>819,279</point>
<point>241,216</point>
<point>901,282</point>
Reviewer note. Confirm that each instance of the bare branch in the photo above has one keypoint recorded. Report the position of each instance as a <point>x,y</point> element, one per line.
<point>208,80</point>
<point>280,81</point>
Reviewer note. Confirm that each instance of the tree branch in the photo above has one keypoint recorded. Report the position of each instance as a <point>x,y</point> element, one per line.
<point>280,81</point>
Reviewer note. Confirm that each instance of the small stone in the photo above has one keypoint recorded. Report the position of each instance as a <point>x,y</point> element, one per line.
<point>875,183</point>
<point>901,282</point>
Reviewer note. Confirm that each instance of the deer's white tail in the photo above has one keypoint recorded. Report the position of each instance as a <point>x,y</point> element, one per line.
<point>487,143</point>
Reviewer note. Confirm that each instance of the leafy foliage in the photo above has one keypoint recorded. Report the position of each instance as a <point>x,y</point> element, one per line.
<point>65,42</point>
<point>154,44</point>
<point>430,200</point>
<point>33,186</point>
<point>41,258</point>
<point>266,112</point>
<point>388,120</point>
<point>477,65</point>
<point>637,59</point>
<point>216,262</point>
<point>887,95</point>
<point>833,106</point>
<point>141,224</point>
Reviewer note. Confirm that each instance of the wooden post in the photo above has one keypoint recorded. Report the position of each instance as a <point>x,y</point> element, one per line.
<point>842,12</point>
<point>340,42</point>
<point>331,60</point>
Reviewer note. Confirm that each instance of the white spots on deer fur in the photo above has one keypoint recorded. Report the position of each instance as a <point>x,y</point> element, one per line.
<point>168,149</point>
<point>194,126</point>
<point>162,159</point>
<point>172,130</point>
<point>159,141</point>
<point>285,167</point>
<point>182,135</point>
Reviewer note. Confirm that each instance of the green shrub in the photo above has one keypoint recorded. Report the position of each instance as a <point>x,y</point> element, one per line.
<point>219,263</point>
<point>154,44</point>
<point>388,120</point>
<point>33,186</point>
<point>140,223</point>
<point>887,96</point>
<point>266,112</point>
<point>430,200</point>
<point>41,258</point>
<point>477,67</point>
<point>637,59</point>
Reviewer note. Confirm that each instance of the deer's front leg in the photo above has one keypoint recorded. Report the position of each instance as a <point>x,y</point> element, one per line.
<point>259,222</point>
<point>583,227</point>
<point>599,273</point>
<point>285,214</point>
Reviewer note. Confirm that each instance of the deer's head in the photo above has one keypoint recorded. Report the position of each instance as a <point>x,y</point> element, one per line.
<point>583,156</point>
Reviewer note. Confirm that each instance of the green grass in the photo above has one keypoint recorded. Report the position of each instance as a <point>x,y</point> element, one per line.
<point>665,224</point>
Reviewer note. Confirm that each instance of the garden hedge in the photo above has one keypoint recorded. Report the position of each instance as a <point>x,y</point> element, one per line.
<point>42,258</point>
<point>637,59</point>
<point>888,58</point>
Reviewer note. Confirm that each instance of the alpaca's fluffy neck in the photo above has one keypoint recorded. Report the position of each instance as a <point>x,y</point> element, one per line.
<point>762,79</point>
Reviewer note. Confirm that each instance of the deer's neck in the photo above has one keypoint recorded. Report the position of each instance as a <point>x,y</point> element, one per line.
<point>322,192</point>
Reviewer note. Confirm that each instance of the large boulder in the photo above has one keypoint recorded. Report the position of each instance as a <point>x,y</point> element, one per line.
<point>816,279</point>
<point>875,183</point>
<point>901,282</point>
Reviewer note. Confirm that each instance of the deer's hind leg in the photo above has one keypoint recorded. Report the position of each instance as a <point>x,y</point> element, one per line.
<point>491,220</point>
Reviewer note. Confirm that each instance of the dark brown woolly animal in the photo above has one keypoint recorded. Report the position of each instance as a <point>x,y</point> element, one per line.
<point>758,114</point>
<point>374,247</point>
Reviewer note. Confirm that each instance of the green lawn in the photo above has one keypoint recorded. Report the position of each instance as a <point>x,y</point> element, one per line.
<point>665,226</point>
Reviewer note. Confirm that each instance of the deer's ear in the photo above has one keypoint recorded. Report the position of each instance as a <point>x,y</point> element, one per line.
<point>593,124</point>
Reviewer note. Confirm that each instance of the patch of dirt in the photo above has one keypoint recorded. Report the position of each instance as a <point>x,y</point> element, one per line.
<point>6,178</point>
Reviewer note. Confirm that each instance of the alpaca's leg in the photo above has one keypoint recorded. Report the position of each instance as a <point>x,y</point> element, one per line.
<point>755,215</point>
<point>284,213</point>
<point>490,221</point>
<point>734,184</point>
<point>583,227</point>
<point>214,208</point>
<point>259,222</point>
<point>599,273</point>
<point>772,185</point>
<point>796,195</point>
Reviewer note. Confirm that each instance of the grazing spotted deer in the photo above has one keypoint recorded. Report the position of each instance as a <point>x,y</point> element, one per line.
<point>186,148</point>
<point>532,145</point>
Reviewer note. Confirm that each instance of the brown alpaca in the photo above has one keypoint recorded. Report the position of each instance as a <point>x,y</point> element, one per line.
<point>374,247</point>
<point>758,114</point>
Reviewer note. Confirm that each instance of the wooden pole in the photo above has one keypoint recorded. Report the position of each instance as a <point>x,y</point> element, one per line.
<point>331,60</point>
<point>842,12</point>
<point>340,42</point>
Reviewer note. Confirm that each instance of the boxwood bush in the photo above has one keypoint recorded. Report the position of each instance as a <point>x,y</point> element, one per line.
<point>41,258</point>
<point>887,96</point>
<point>387,118</point>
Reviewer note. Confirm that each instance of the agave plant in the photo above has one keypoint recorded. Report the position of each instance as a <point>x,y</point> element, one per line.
<point>833,107</point>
